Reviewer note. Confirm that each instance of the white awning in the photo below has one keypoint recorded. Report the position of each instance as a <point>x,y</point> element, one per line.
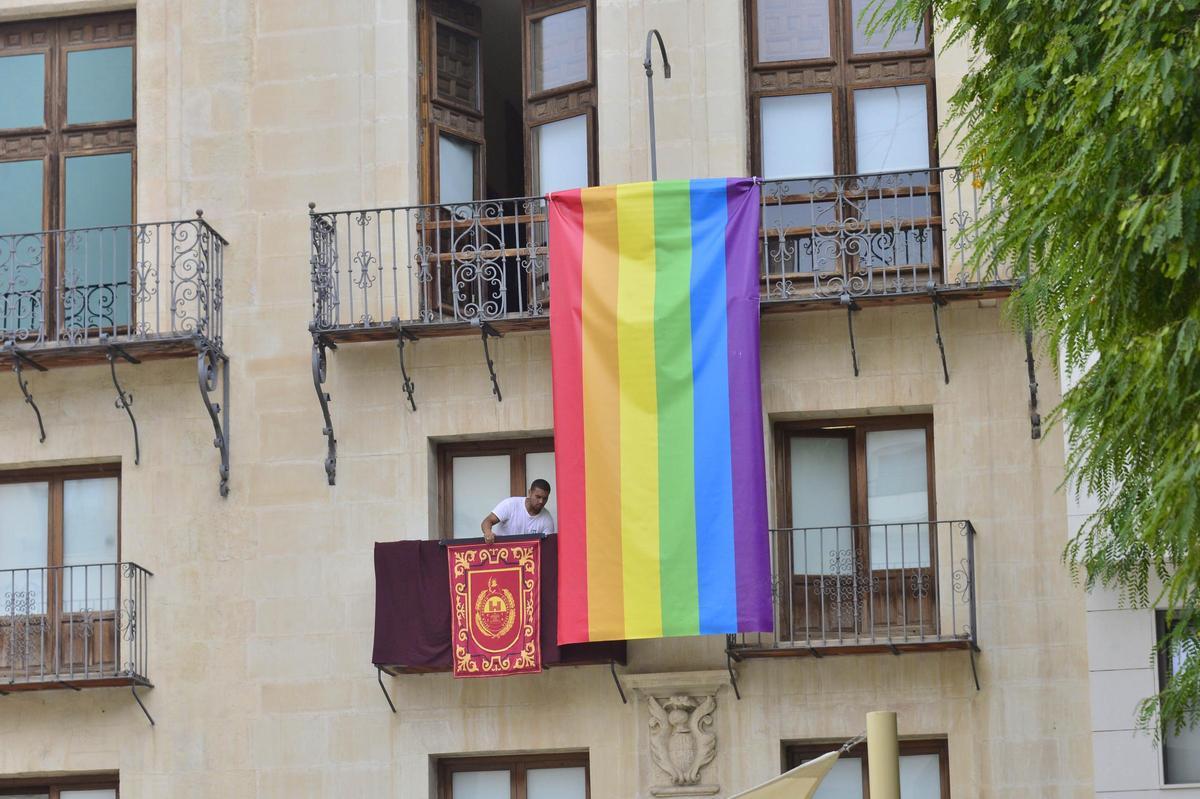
<point>799,783</point>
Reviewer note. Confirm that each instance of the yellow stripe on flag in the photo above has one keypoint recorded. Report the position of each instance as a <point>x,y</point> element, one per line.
<point>639,411</point>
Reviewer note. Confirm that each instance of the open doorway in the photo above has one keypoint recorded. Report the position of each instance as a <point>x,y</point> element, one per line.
<point>508,98</point>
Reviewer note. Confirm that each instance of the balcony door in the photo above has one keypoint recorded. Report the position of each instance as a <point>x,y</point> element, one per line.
<point>507,114</point>
<point>500,122</point>
<point>67,164</point>
<point>473,476</point>
<point>862,557</point>
<point>828,98</point>
<point>59,562</point>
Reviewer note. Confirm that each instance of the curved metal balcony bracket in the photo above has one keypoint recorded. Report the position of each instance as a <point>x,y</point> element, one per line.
<point>938,302</point>
<point>403,335</point>
<point>382,687</point>
<point>851,307</point>
<point>133,690</point>
<point>1035,418</point>
<point>486,331</point>
<point>124,399</point>
<point>320,374</point>
<point>19,358</point>
<point>212,367</point>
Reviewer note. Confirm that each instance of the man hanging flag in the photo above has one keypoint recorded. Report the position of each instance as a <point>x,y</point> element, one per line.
<point>658,410</point>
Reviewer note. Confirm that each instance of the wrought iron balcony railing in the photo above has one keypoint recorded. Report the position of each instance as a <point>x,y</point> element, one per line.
<point>842,238</point>
<point>869,587</point>
<point>74,626</point>
<point>125,292</point>
<point>137,285</point>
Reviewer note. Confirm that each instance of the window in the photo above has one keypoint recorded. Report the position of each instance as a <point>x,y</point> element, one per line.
<point>857,495</point>
<point>474,476</point>
<point>498,122</point>
<point>529,777</point>
<point>924,770</point>
<point>86,787</point>
<point>67,160</point>
<point>1180,750</point>
<point>59,552</point>
<point>828,98</point>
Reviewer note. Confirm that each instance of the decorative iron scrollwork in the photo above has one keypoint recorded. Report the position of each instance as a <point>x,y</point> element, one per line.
<point>320,375</point>
<point>18,359</point>
<point>213,367</point>
<point>124,399</point>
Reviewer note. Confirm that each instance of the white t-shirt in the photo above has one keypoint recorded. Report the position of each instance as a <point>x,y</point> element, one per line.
<point>515,520</point>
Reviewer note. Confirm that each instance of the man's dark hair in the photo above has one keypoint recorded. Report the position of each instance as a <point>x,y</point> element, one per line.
<point>540,483</point>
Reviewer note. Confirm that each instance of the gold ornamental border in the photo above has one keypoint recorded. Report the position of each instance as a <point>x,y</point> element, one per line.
<point>524,554</point>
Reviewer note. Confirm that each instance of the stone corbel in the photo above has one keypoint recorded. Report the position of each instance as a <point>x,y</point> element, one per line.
<point>677,730</point>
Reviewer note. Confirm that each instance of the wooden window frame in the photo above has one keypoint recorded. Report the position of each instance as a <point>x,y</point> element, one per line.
<point>515,765</point>
<point>854,429</point>
<point>56,476</point>
<point>54,786</point>
<point>572,100</point>
<point>515,448</point>
<point>796,753</point>
<point>536,11</point>
<point>835,75</point>
<point>56,140</point>
<point>539,108</point>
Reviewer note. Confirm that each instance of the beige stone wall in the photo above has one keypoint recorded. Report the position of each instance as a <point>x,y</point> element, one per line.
<point>262,604</point>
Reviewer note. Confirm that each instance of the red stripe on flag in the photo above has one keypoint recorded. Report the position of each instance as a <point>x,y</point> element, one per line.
<point>566,350</point>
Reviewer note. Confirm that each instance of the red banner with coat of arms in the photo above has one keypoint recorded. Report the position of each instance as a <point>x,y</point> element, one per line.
<point>494,590</point>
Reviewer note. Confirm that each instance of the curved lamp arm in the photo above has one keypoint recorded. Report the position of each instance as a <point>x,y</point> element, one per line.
<point>648,64</point>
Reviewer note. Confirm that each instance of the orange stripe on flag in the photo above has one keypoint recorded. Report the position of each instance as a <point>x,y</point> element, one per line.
<point>601,418</point>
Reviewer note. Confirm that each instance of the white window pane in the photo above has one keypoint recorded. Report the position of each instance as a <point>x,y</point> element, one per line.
<point>556,783</point>
<point>23,102</point>
<point>89,542</point>
<point>480,482</point>
<point>456,170</point>
<point>28,796</point>
<point>99,85</point>
<point>920,777</point>
<point>792,30</point>
<point>897,492</point>
<point>911,37</point>
<point>480,785</point>
<point>891,128</point>
<point>541,464</point>
<point>797,135</point>
<point>560,155</point>
<point>844,780</point>
<point>821,499</point>
<point>560,49</point>
<point>102,793</point>
<point>23,531</point>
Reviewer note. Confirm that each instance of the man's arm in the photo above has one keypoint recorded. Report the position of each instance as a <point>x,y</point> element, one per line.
<point>486,525</point>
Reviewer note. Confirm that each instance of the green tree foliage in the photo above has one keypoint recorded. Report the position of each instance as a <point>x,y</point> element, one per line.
<point>1082,118</point>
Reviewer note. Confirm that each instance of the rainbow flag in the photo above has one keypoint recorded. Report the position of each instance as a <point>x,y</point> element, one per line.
<point>658,410</point>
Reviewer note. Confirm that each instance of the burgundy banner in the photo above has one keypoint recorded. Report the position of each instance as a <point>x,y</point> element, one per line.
<point>494,592</point>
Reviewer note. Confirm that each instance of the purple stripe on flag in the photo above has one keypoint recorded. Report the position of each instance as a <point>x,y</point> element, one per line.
<point>751,547</point>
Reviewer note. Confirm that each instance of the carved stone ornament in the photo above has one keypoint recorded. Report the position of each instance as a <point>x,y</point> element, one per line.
<point>677,731</point>
<point>682,742</point>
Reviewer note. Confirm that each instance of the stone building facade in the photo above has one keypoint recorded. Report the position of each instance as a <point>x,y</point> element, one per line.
<point>257,622</point>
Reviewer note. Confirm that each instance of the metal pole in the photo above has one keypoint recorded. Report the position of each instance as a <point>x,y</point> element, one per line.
<point>650,92</point>
<point>883,755</point>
